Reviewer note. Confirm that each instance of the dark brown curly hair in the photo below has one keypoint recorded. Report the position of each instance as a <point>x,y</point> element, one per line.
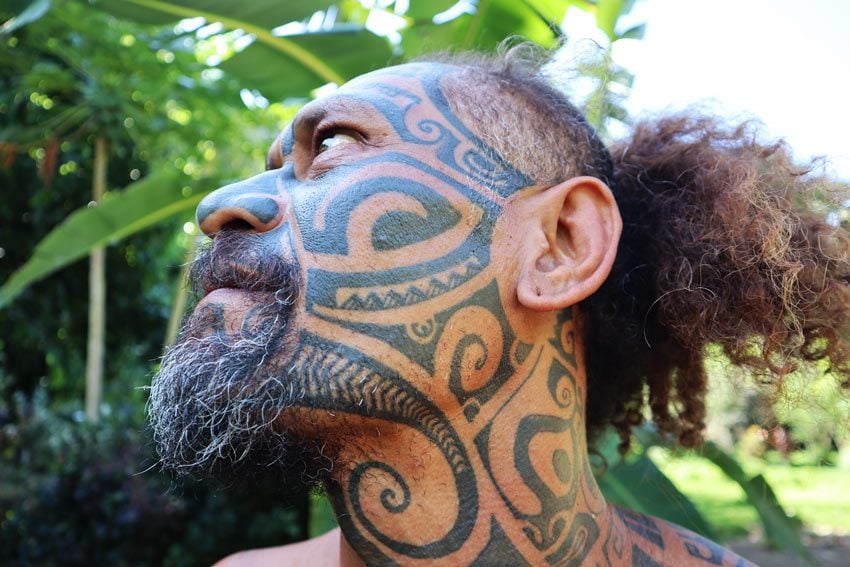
<point>721,246</point>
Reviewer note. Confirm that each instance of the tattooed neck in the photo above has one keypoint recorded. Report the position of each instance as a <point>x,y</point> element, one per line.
<point>504,480</point>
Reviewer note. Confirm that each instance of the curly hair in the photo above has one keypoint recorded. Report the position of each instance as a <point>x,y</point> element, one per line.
<point>720,246</point>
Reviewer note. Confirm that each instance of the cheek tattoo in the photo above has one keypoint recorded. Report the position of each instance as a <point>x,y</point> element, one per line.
<point>441,310</point>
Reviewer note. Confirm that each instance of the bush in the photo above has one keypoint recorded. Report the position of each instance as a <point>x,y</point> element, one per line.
<point>79,493</point>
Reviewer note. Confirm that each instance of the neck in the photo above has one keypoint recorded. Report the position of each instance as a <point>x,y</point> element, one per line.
<point>506,483</point>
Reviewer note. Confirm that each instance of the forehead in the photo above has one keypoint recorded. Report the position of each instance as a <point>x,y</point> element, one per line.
<point>426,75</point>
<point>404,112</point>
<point>411,87</point>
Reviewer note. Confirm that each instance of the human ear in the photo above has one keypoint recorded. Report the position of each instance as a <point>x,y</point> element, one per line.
<point>572,233</point>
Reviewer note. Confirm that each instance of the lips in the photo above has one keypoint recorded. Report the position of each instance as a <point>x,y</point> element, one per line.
<point>229,274</point>
<point>241,261</point>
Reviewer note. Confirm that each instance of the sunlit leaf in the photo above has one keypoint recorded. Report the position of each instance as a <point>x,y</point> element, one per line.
<point>349,53</point>
<point>29,14</point>
<point>492,22</point>
<point>143,204</point>
<point>262,13</point>
<point>424,10</point>
<point>257,18</point>
<point>607,13</point>
<point>555,10</point>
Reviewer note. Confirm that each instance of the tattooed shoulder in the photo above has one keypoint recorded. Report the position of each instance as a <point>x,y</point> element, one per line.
<point>655,542</point>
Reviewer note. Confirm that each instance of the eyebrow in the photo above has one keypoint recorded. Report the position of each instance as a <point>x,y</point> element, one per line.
<point>317,111</point>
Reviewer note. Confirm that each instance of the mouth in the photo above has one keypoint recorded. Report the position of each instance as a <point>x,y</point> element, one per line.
<point>240,271</point>
<point>231,276</point>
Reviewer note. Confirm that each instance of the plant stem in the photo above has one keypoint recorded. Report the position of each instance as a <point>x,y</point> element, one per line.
<point>97,298</point>
<point>181,291</point>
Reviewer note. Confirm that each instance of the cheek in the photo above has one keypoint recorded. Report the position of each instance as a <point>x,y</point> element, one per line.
<point>379,246</point>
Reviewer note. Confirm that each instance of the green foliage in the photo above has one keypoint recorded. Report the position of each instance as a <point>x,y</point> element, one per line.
<point>157,197</point>
<point>23,13</point>
<point>780,530</point>
<point>44,331</point>
<point>811,411</point>
<point>637,483</point>
<point>307,59</point>
<point>818,496</point>
<point>67,82</point>
<point>74,493</point>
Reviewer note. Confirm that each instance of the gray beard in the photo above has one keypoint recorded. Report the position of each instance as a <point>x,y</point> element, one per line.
<point>215,402</point>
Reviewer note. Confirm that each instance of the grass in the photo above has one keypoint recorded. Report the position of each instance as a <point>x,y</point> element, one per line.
<point>818,495</point>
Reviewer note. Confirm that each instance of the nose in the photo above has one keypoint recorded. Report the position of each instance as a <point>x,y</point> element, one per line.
<point>252,205</point>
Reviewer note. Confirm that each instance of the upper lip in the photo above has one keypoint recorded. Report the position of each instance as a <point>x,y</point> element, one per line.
<point>239,261</point>
<point>228,273</point>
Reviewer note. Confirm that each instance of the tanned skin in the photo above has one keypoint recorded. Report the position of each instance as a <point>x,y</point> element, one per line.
<point>435,347</point>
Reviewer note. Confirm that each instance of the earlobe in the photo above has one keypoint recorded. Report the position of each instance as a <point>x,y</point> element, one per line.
<point>574,228</point>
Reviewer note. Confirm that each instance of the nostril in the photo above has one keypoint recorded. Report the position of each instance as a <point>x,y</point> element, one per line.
<point>238,225</point>
<point>231,208</point>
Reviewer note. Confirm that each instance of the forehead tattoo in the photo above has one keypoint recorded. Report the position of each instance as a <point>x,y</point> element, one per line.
<point>414,104</point>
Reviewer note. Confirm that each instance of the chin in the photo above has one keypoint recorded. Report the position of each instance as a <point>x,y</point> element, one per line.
<point>217,401</point>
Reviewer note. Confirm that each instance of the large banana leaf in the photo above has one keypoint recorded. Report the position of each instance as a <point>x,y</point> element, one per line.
<point>142,204</point>
<point>278,66</point>
<point>263,14</point>
<point>641,486</point>
<point>262,67</point>
<point>780,530</point>
<point>492,22</point>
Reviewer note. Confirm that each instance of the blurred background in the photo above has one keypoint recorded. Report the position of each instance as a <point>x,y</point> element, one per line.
<point>118,116</point>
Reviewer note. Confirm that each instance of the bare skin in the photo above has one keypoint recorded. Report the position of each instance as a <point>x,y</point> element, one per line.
<point>435,349</point>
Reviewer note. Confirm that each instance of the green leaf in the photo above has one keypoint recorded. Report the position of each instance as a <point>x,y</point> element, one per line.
<point>607,14</point>
<point>421,10</point>
<point>266,14</point>
<point>140,205</point>
<point>780,530</point>
<point>322,517</point>
<point>636,32</point>
<point>347,53</point>
<point>555,10</point>
<point>641,486</point>
<point>31,13</point>
<point>257,18</point>
<point>492,22</point>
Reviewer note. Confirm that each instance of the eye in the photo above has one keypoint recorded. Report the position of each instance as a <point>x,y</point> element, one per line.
<point>332,139</point>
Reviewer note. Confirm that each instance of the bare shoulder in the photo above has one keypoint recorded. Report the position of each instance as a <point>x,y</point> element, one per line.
<point>322,550</point>
<point>655,543</point>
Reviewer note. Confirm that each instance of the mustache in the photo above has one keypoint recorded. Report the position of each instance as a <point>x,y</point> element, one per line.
<point>242,260</point>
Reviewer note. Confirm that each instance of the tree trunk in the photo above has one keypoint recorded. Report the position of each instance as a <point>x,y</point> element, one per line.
<point>97,298</point>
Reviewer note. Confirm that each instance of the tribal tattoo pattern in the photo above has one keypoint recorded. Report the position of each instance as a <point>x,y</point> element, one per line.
<point>392,211</point>
<point>431,297</point>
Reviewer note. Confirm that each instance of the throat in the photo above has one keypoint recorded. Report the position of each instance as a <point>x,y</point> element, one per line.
<point>510,485</point>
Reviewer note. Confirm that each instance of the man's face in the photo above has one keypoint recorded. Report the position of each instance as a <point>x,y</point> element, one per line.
<point>360,276</point>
